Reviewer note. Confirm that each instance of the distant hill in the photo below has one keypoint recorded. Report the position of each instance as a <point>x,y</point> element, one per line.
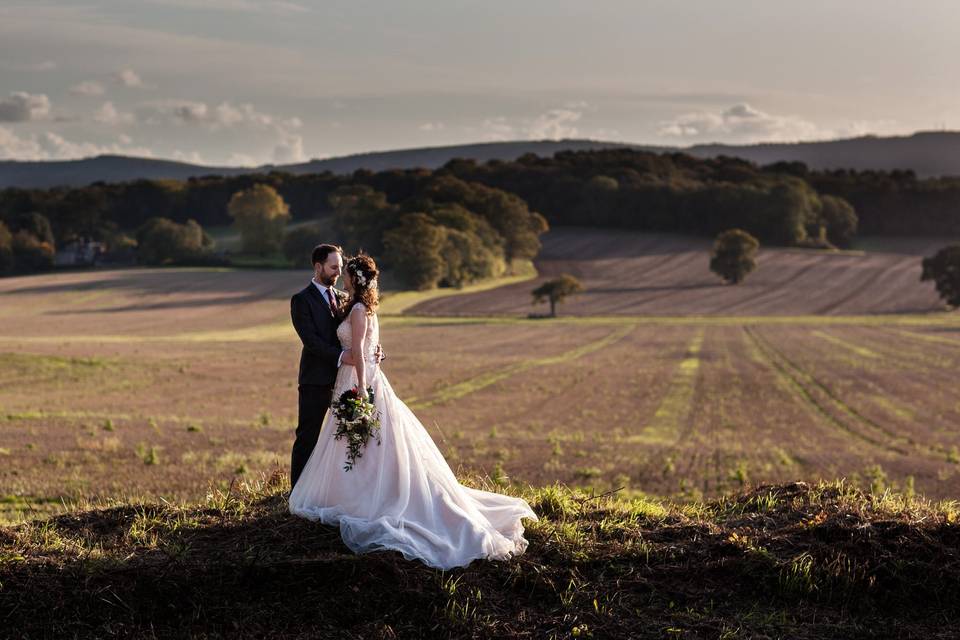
<point>928,153</point>
<point>931,153</point>
<point>111,168</point>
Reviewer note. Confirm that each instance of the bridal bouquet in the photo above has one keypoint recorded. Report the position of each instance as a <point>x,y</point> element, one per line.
<point>357,420</point>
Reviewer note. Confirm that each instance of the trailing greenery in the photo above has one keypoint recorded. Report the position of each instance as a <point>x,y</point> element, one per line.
<point>788,560</point>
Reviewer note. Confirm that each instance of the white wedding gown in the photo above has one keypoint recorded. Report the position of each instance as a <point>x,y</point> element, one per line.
<point>402,494</point>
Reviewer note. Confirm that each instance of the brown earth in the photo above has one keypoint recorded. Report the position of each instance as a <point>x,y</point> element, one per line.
<point>631,273</point>
<point>163,382</point>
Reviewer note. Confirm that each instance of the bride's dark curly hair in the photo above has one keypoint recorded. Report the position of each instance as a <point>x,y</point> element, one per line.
<point>364,274</point>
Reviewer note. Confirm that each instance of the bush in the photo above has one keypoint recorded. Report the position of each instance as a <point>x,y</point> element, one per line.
<point>30,253</point>
<point>734,255</point>
<point>163,241</point>
<point>944,269</point>
<point>298,244</point>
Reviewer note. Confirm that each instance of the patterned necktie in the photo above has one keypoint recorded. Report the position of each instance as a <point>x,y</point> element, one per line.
<point>332,298</point>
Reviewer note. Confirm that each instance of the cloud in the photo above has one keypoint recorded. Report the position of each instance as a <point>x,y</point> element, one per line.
<point>87,88</point>
<point>742,123</point>
<point>23,107</point>
<point>241,160</point>
<point>52,146</point>
<point>246,6</point>
<point>223,116</point>
<point>193,157</point>
<point>554,124</point>
<point>289,149</point>
<point>431,126</point>
<point>108,114</point>
<point>129,78</point>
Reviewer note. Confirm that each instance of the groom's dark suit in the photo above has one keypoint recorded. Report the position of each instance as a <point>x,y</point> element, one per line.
<point>316,325</point>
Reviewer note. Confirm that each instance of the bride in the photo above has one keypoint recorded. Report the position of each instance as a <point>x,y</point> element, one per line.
<point>400,494</point>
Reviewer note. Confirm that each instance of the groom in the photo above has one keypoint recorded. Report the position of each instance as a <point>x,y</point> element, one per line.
<point>315,312</point>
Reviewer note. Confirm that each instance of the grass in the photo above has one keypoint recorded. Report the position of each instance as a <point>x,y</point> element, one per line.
<point>787,560</point>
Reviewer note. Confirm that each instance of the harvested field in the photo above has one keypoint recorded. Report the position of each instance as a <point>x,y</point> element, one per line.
<point>631,273</point>
<point>163,382</point>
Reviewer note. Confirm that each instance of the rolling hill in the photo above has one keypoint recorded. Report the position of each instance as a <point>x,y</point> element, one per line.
<point>927,153</point>
<point>634,273</point>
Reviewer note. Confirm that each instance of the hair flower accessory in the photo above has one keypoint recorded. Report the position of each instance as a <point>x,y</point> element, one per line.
<point>361,279</point>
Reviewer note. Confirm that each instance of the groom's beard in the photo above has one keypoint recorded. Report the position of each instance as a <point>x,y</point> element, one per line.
<point>327,281</point>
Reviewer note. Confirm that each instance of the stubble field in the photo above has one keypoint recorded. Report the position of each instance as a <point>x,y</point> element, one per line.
<point>164,382</point>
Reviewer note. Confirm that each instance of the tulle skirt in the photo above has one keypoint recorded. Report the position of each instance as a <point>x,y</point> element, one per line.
<point>401,495</point>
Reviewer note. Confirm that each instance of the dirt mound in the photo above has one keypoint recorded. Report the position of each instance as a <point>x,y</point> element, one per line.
<point>788,560</point>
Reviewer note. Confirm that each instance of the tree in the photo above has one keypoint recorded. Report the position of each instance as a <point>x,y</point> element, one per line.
<point>299,243</point>
<point>163,241</point>
<point>840,220</point>
<point>944,269</point>
<point>261,216</point>
<point>412,250</point>
<point>30,253</point>
<point>6,249</point>
<point>734,255</point>
<point>361,216</point>
<point>557,290</point>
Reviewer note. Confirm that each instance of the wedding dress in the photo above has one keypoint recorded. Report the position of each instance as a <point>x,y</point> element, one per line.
<point>402,494</point>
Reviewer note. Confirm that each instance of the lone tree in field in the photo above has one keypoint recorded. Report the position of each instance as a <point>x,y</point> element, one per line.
<point>261,216</point>
<point>734,255</point>
<point>944,269</point>
<point>556,291</point>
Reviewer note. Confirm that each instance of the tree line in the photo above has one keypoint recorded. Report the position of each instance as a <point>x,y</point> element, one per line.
<point>468,220</point>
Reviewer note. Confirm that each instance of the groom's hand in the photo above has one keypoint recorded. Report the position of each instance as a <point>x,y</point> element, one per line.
<point>347,358</point>
<point>379,353</point>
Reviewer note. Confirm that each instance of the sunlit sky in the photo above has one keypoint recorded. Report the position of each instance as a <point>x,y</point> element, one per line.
<point>257,81</point>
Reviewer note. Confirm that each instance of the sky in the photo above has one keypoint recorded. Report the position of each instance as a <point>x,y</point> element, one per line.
<point>248,82</point>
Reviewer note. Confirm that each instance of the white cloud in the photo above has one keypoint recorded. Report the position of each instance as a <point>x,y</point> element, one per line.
<point>224,115</point>
<point>108,114</point>
<point>192,157</point>
<point>289,149</point>
<point>554,124</point>
<point>87,88</point>
<point>22,107</point>
<point>431,126</point>
<point>129,78</point>
<point>496,129</point>
<point>742,123</point>
<point>52,146</point>
<point>241,160</point>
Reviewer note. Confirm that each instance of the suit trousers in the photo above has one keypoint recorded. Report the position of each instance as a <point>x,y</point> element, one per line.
<point>312,408</point>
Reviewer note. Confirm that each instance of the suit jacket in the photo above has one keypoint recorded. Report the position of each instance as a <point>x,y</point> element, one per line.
<point>316,325</point>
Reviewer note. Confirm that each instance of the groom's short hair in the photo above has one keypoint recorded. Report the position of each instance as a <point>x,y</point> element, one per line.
<point>321,251</point>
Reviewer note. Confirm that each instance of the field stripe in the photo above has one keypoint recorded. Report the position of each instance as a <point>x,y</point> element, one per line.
<point>675,405</point>
<point>929,338</point>
<point>482,381</point>
<point>840,342</point>
<point>805,386</point>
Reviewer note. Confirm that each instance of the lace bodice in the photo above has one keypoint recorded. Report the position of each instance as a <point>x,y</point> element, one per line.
<point>345,333</point>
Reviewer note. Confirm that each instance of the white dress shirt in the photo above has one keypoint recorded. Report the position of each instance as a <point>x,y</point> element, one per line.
<point>325,292</point>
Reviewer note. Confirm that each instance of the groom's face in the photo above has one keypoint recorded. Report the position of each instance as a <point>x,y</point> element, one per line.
<point>328,272</point>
